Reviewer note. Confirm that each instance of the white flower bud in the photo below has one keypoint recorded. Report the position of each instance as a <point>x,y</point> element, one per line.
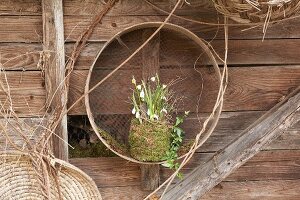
<point>164,86</point>
<point>137,115</point>
<point>133,111</point>
<point>152,78</point>
<point>139,87</point>
<point>164,110</point>
<point>142,94</point>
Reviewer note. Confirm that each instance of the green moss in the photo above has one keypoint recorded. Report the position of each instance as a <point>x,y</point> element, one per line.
<point>116,145</point>
<point>91,150</point>
<point>149,141</point>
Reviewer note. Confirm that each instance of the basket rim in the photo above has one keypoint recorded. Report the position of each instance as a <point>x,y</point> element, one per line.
<point>235,14</point>
<point>168,26</point>
<point>67,166</point>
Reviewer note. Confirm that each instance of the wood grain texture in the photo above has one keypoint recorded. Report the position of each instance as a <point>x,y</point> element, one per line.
<point>21,24</point>
<point>89,7</point>
<point>285,165</point>
<point>27,92</point>
<point>78,14</point>
<point>27,126</point>
<point>257,135</point>
<point>106,174</point>
<point>251,88</point>
<point>28,29</point>
<point>124,193</point>
<point>56,93</point>
<point>255,190</point>
<point>242,52</point>
<point>18,56</point>
<point>29,99</point>
<point>266,165</point>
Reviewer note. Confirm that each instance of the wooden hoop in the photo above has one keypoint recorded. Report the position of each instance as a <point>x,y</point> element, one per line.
<point>167,26</point>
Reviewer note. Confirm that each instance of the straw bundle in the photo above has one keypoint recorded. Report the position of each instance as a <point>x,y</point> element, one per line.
<point>246,11</point>
<point>19,180</point>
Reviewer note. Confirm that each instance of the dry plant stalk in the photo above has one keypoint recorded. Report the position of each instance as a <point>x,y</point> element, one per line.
<point>40,150</point>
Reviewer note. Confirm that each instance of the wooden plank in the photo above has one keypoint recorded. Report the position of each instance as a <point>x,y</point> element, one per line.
<point>122,173</point>
<point>260,133</point>
<point>20,7</point>
<point>108,172</point>
<point>124,193</point>
<point>113,24</point>
<point>132,7</point>
<point>23,83</point>
<point>241,53</point>
<point>90,7</point>
<point>31,127</point>
<point>21,29</point>
<point>289,140</point>
<point>29,28</point>
<point>27,92</point>
<point>255,190</point>
<point>266,165</point>
<point>286,170</point>
<point>56,93</point>
<point>251,88</point>
<point>150,177</point>
<point>17,56</point>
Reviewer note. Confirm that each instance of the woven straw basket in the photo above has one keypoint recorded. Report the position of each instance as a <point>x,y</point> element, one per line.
<point>248,11</point>
<point>19,181</point>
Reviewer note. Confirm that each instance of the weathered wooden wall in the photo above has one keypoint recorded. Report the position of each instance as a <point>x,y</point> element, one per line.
<point>261,74</point>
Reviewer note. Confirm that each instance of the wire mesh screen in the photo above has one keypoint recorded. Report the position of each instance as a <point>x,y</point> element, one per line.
<point>176,59</point>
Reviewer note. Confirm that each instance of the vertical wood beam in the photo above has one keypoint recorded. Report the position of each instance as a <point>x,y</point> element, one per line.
<point>53,46</point>
<point>150,177</point>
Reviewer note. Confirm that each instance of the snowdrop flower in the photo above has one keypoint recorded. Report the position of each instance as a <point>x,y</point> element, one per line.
<point>152,78</point>
<point>164,110</point>
<point>142,94</point>
<point>164,98</point>
<point>137,115</point>
<point>133,110</point>
<point>155,116</point>
<point>133,81</point>
<point>148,112</point>
<point>164,86</point>
<point>139,87</point>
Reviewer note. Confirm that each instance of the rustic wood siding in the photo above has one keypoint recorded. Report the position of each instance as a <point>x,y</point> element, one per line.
<point>260,75</point>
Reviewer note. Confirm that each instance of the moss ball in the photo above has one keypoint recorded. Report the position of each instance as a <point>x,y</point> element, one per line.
<point>149,141</point>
